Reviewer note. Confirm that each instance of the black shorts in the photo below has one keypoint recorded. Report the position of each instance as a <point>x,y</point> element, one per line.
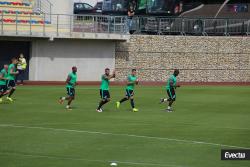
<point>129,93</point>
<point>171,94</point>
<point>104,94</point>
<point>11,83</point>
<point>71,92</point>
<point>3,88</point>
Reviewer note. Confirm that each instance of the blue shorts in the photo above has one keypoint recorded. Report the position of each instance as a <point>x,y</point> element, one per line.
<point>129,93</point>
<point>11,83</point>
<point>70,92</point>
<point>171,94</point>
<point>3,88</point>
<point>104,94</point>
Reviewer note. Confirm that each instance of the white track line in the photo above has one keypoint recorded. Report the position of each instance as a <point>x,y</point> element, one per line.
<point>41,124</point>
<point>126,135</point>
<point>89,160</point>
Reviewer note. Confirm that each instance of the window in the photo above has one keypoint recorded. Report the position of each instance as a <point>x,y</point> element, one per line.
<point>87,6</point>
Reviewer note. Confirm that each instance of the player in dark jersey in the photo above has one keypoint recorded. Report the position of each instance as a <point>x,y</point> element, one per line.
<point>12,72</point>
<point>171,86</point>
<point>104,88</point>
<point>3,79</point>
<point>131,82</point>
<point>70,87</point>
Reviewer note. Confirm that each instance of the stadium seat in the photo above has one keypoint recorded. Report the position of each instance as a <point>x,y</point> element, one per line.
<point>20,13</point>
<point>14,3</point>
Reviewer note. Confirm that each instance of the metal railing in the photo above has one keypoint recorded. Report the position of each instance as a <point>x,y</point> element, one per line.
<point>50,25</point>
<point>191,26</point>
<point>61,25</point>
<point>43,7</point>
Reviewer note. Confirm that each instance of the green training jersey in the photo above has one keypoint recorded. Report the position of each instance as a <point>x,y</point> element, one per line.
<point>105,83</point>
<point>72,81</point>
<point>11,76</point>
<point>4,74</point>
<point>173,79</point>
<point>132,79</point>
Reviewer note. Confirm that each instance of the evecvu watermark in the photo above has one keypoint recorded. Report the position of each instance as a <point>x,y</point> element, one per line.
<point>239,154</point>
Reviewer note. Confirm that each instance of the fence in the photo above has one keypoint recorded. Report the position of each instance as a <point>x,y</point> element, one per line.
<point>43,7</point>
<point>61,25</point>
<point>68,25</point>
<point>191,26</point>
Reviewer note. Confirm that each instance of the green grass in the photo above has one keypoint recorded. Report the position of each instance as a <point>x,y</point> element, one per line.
<point>35,131</point>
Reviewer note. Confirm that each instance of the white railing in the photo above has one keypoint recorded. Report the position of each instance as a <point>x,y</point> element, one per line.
<point>61,25</point>
<point>43,7</point>
<point>47,25</point>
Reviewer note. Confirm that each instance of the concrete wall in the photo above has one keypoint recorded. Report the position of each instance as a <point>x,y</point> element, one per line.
<point>52,61</point>
<point>200,59</point>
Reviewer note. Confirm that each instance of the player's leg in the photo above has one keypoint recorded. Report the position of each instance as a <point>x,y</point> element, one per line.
<point>3,91</point>
<point>105,98</point>
<point>132,103</point>
<point>118,103</point>
<point>171,99</point>
<point>162,100</point>
<point>63,98</point>
<point>12,88</point>
<point>70,98</point>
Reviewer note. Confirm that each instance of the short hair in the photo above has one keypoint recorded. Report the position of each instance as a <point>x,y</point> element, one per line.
<point>106,69</point>
<point>133,69</point>
<point>176,71</point>
<point>14,58</point>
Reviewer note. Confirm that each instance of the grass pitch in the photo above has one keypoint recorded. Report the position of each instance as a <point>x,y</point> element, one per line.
<point>35,131</point>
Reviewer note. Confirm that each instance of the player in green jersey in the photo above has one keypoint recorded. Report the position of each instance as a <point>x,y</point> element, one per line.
<point>131,82</point>
<point>3,86</point>
<point>70,87</point>
<point>12,72</point>
<point>104,89</point>
<point>171,86</point>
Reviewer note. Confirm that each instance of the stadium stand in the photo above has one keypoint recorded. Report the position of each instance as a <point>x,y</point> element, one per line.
<point>19,16</point>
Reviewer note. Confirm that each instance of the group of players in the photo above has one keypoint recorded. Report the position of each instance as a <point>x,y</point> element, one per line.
<point>7,80</point>
<point>132,80</point>
<point>8,87</point>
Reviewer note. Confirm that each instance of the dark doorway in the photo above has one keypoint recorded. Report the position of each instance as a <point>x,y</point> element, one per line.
<point>10,49</point>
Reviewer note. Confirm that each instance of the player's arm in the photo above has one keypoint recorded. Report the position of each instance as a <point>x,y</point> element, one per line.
<point>68,80</point>
<point>137,81</point>
<point>171,83</point>
<point>2,76</point>
<point>177,86</point>
<point>12,71</point>
<point>110,76</point>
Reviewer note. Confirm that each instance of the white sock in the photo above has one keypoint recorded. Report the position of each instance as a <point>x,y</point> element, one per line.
<point>67,106</point>
<point>165,100</point>
<point>169,107</point>
<point>63,98</point>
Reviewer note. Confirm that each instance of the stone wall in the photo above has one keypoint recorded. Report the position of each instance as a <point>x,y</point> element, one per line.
<point>200,59</point>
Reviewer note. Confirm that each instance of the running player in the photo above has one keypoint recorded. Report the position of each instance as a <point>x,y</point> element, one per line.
<point>171,86</point>
<point>104,89</point>
<point>70,87</point>
<point>3,86</point>
<point>12,72</point>
<point>131,82</point>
